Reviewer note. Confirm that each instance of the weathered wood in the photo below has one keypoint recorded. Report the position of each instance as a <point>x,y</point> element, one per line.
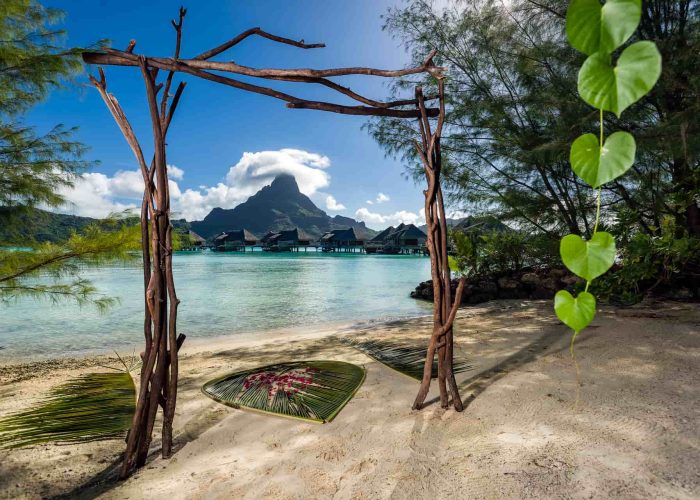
<point>444,309</point>
<point>376,108</point>
<point>256,31</point>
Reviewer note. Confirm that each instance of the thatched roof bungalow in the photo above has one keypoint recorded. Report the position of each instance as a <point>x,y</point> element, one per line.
<point>237,239</point>
<point>285,240</point>
<point>197,240</point>
<point>341,240</point>
<point>405,238</point>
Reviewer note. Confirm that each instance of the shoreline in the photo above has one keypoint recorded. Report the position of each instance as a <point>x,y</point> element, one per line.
<point>263,335</point>
<point>628,431</point>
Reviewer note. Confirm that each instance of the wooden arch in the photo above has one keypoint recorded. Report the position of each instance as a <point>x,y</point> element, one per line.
<point>159,372</point>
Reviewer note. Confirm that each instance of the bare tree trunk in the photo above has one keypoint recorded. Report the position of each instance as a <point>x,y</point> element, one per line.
<point>159,371</point>
<point>444,310</point>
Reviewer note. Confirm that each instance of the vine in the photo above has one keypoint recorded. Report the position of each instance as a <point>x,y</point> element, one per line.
<point>598,30</point>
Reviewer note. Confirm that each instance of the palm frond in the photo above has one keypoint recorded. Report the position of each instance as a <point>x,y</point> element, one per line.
<point>404,358</point>
<point>93,407</point>
<point>307,390</point>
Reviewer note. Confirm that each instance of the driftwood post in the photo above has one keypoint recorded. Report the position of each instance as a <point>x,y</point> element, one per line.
<point>444,309</point>
<point>159,372</point>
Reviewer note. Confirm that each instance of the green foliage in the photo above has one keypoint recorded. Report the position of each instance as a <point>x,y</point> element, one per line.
<point>308,390</point>
<point>500,252</point>
<point>32,58</point>
<point>39,226</point>
<point>406,359</point>
<point>597,165</point>
<point>23,273</point>
<point>592,27</point>
<point>513,111</point>
<point>609,89</point>
<point>36,169</point>
<point>33,168</point>
<point>615,88</point>
<point>588,259</point>
<point>576,313</point>
<point>469,256</point>
<point>649,261</point>
<point>93,407</point>
<point>182,240</point>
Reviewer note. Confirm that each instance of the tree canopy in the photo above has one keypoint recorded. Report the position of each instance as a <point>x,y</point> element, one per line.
<point>514,111</point>
<point>34,168</point>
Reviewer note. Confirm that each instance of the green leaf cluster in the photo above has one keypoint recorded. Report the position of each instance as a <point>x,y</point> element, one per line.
<point>52,270</point>
<point>598,31</point>
<point>92,407</point>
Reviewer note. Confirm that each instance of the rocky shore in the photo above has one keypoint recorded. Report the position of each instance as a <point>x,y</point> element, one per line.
<point>524,284</point>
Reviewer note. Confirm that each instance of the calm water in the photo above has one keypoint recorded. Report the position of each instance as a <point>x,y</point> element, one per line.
<point>223,294</point>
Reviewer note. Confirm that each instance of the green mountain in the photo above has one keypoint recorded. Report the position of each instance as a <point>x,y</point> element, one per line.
<point>275,207</point>
<point>39,225</point>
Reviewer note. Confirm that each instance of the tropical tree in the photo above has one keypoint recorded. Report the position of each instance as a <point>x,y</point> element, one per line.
<point>514,111</point>
<point>35,168</point>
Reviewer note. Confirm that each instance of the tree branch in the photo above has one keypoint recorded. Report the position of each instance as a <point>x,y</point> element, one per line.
<point>256,31</point>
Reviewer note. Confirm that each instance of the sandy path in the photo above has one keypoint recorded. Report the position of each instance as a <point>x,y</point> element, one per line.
<point>634,432</point>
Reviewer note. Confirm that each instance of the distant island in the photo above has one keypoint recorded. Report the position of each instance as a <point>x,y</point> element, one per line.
<point>277,207</point>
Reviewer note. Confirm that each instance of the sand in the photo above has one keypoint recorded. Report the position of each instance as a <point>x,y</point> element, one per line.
<point>630,430</point>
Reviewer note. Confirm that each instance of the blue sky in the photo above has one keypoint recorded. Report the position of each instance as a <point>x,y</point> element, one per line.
<point>216,126</point>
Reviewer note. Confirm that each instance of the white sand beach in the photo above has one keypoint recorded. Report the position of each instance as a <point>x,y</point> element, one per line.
<point>631,430</point>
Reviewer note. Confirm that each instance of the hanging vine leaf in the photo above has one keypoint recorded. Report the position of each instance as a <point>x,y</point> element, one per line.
<point>308,390</point>
<point>576,313</point>
<point>597,165</point>
<point>592,27</point>
<point>93,407</point>
<point>615,88</point>
<point>598,30</point>
<point>588,259</point>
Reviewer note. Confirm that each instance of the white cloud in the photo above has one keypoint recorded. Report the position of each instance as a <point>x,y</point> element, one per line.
<point>92,194</point>
<point>377,220</point>
<point>175,173</point>
<point>370,202</point>
<point>381,198</point>
<point>97,195</point>
<point>332,204</point>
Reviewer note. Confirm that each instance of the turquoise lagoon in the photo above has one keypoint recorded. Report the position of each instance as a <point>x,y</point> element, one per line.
<point>222,294</point>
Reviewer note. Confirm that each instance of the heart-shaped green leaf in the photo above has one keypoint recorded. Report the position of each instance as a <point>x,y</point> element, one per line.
<point>597,166</point>
<point>576,313</point>
<point>616,88</point>
<point>592,27</point>
<point>588,259</point>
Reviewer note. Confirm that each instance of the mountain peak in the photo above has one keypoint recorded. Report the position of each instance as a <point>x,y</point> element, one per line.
<point>277,206</point>
<point>285,182</point>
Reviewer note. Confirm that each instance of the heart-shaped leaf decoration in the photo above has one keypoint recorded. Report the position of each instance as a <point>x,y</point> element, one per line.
<point>308,390</point>
<point>592,27</point>
<point>597,166</point>
<point>576,313</point>
<point>616,88</point>
<point>588,259</point>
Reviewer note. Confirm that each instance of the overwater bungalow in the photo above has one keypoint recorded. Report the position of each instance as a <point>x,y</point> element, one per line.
<point>376,244</point>
<point>341,240</point>
<point>235,241</point>
<point>287,240</point>
<point>404,239</point>
<point>196,241</point>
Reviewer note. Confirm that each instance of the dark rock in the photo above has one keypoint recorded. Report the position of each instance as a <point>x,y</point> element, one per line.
<point>508,283</point>
<point>524,284</point>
